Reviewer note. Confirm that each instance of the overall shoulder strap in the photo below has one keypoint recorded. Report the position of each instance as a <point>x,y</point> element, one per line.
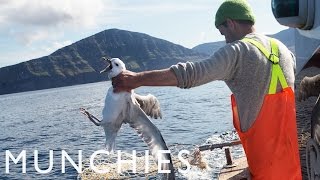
<point>273,56</point>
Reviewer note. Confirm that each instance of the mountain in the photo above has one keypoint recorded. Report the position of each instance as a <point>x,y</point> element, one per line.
<point>81,61</point>
<point>209,48</point>
<point>285,36</point>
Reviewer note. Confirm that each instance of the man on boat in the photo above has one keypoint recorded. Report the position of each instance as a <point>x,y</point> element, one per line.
<point>251,64</point>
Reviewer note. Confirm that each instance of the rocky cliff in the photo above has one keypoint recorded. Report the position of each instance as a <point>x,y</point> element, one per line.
<point>81,61</point>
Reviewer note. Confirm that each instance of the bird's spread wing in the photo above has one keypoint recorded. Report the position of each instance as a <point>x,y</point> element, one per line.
<point>151,136</point>
<point>150,105</point>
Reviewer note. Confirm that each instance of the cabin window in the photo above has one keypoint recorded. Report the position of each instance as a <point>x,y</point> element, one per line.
<point>285,8</point>
<point>294,13</point>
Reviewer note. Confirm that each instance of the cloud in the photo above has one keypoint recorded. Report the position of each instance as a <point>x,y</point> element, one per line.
<point>27,37</point>
<point>4,2</point>
<point>2,19</point>
<point>162,6</point>
<point>44,13</point>
<point>40,15</point>
<point>29,21</point>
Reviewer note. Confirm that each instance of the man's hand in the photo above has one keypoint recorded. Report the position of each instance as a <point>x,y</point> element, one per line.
<point>126,81</point>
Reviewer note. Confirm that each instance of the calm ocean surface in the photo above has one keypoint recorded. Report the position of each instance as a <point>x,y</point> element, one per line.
<point>50,120</point>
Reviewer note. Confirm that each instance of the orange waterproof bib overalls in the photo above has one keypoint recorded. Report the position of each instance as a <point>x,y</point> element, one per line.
<point>271,143</point>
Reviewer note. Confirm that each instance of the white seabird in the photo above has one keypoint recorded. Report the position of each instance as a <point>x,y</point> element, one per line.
<point>134,109</point>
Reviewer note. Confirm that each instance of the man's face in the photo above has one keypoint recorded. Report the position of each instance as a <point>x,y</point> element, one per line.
<point>227,30</point>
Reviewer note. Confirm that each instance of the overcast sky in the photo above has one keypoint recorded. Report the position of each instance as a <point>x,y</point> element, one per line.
<point>34,28</point>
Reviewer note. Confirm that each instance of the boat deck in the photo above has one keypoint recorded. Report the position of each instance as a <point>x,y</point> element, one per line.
<point>239,170</point>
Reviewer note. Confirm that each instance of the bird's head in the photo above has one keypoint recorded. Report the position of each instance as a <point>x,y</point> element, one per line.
<point>115,66</point>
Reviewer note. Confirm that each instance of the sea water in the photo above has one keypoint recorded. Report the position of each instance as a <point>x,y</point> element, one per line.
<point>50,120</point>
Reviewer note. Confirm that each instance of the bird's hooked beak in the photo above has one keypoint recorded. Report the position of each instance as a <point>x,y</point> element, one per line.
<point>109,66</point>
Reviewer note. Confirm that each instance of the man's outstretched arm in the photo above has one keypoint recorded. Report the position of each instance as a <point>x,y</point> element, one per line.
<point>128,80</point>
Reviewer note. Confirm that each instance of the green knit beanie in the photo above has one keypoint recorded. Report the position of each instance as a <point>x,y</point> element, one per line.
<point>234,9</point>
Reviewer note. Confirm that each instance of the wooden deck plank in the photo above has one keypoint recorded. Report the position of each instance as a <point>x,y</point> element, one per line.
<point>239,171</point>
